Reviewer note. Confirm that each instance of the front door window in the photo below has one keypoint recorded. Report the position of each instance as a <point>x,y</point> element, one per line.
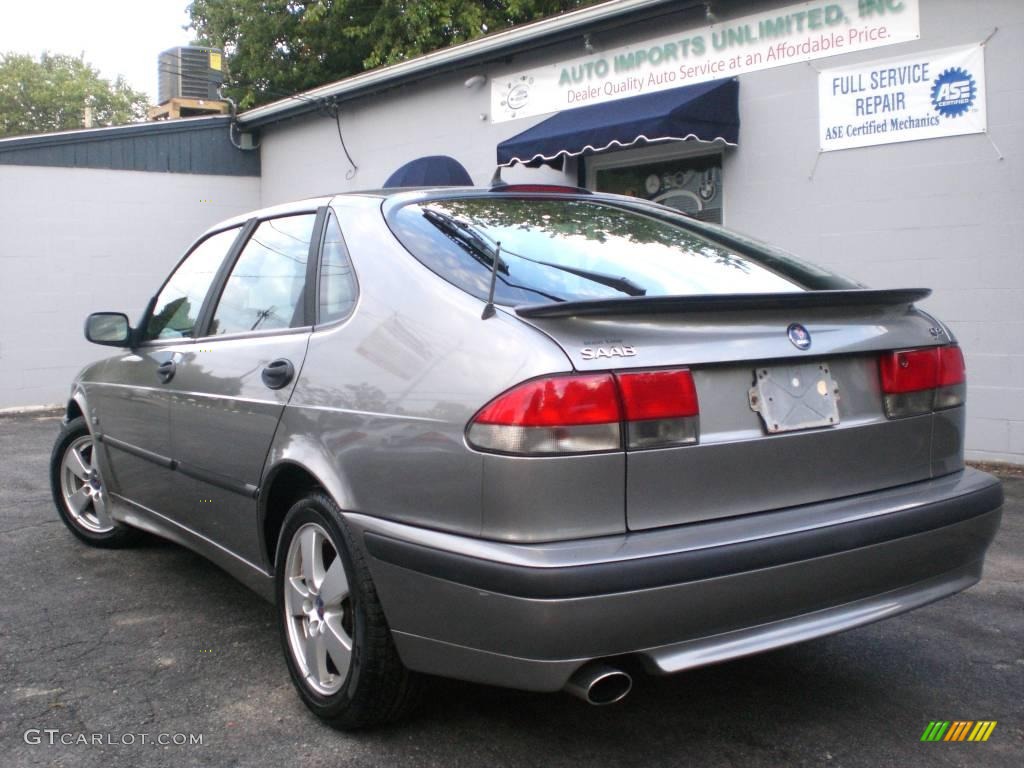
<point>176,309</point>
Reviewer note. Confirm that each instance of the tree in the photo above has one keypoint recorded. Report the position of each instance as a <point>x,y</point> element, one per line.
<point>275,48</point>
<point>51,94</point>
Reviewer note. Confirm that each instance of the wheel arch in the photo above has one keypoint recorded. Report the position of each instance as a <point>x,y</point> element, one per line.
<point>293,473</point>
<point>76,405</point>
<point>285,484</point>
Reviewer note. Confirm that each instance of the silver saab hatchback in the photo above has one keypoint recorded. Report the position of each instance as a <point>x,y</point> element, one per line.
<point>529,437</point>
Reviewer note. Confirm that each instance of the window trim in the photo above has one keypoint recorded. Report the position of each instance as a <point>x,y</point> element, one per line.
<point>213,297</point>
<point>229,255</point>
<point>317,325</point>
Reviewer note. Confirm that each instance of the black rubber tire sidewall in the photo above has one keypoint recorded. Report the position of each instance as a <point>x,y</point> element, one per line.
<point>377,688</point>
<point>121,535</point>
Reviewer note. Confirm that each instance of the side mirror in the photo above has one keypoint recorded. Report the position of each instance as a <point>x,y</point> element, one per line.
<point>109,328</point>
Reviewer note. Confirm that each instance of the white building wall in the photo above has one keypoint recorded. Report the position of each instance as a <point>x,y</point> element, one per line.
<point>944,213</point>
<point>78,240</point>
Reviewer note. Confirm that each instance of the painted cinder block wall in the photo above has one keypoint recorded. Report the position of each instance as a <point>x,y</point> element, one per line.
<point>80,240</point>
<point>945,213</point>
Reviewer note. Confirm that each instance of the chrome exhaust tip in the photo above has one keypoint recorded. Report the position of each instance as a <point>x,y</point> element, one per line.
<point>598,683</point>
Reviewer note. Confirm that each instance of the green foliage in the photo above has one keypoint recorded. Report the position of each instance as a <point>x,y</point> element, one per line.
<point>275,48</point>
<point>51,95</point>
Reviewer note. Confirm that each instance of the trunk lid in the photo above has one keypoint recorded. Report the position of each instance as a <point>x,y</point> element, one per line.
<point>739,466</point>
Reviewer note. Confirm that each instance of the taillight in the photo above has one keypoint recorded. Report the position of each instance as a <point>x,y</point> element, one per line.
<point>952,389</point>
<point>661,408</point>
<point>590,413</point>
<point>917,381</point>
<point>557,414</point>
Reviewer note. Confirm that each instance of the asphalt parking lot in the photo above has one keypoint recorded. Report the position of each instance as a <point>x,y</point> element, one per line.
<point>155,641</point>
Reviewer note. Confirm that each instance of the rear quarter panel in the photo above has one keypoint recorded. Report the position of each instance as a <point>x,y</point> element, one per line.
<point>382,402</point>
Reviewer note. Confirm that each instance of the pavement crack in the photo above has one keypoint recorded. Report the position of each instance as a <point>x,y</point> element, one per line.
<point>30,526</point>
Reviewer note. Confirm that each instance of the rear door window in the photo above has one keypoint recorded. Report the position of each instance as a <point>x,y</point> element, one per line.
<point>573,249</point>
<point>265,288</point>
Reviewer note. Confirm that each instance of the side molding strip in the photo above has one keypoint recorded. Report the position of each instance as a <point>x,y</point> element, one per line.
<point>243,489</point>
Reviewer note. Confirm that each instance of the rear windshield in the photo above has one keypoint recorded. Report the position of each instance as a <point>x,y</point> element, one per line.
<point>570,250</point>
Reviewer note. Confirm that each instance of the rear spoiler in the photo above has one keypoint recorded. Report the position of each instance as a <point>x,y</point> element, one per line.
<point>650,305</point>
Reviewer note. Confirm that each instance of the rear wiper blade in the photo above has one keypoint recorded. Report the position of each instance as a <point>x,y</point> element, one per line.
<point>466,235</point>
<point>480,246</point>
<point>623,284</point>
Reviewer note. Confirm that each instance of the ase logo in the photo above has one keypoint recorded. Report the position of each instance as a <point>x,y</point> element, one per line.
<point>954,92</point>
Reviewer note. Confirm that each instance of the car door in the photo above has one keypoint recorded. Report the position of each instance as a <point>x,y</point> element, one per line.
<point>231,386</point>
<point>131,402</point>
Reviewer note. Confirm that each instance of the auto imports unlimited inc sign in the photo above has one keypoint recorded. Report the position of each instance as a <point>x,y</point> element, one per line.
<point>759,41</point>
<point>921,96</point>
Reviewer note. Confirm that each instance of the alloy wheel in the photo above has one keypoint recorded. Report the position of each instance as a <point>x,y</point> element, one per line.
<point>318,609</point>
<point>82,487</point>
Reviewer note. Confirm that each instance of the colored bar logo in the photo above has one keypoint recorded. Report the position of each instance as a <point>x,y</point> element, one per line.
<point>958,730</point>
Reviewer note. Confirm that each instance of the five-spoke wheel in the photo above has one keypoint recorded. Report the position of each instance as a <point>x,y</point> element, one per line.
<point>318,608</point>
<point>82,488</point>
<point>338,645</point>
<point>79,491</point>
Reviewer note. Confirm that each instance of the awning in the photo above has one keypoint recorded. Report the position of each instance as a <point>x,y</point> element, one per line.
<point>703,112</point>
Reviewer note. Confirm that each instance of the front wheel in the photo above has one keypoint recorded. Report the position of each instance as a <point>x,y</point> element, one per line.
<point>79,491</point>
<point>336,641</point>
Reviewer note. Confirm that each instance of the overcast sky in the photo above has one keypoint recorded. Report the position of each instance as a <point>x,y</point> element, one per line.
<point>117,36</point>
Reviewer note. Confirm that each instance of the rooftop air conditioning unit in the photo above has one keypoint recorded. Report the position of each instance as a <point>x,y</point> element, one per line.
<point>190,72</point>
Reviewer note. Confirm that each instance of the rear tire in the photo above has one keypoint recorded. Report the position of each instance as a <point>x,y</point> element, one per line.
<point>79,491</point>
<point>336,640</point>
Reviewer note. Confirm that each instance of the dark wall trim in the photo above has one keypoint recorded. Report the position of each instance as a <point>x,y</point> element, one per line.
<point>198,145</point>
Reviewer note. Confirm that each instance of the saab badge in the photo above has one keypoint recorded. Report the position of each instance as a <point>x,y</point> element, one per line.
<point>799,336</point>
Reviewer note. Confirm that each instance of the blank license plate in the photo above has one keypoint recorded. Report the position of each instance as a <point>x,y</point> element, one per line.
<point>791,397</point>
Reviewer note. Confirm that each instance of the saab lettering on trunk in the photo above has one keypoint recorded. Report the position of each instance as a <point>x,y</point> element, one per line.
<point>594,353</point>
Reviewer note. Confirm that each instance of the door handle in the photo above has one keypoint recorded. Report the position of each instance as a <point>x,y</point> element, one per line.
<point>278,374</point>
<point>166,370</point>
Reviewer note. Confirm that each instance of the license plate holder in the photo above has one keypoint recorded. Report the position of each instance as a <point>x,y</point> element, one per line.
<point>796,396</point>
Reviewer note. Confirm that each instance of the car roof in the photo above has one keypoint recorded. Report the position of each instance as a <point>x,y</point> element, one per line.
<point>308,204</point>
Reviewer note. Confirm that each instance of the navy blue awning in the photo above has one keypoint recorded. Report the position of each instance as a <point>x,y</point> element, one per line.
<point>705,112</point>
<point>432,171</point>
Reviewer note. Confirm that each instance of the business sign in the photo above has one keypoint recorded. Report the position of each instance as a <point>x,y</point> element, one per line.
<point>763,40</point>
<point>922,96</point>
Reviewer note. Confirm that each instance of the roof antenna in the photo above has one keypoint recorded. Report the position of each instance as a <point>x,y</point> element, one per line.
<point>496,180</point>
<point>495,261</point>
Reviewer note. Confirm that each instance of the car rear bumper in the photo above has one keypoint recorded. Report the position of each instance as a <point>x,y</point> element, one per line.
<point>528,616</point>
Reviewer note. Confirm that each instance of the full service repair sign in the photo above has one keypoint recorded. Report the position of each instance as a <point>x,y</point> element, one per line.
<point>923,96</point>
<point>760,41</point>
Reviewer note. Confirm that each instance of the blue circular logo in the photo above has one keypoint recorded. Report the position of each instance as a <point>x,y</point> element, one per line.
<point>799,336</point>
<point>954,92</point>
